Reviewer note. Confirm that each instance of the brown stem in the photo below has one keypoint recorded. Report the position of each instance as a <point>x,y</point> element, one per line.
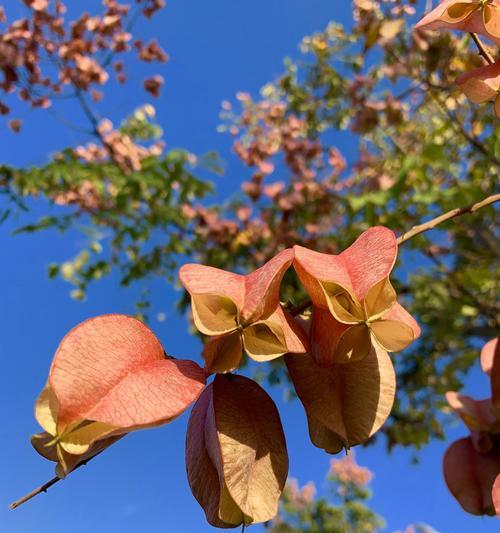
<point>33,493</point>
<point>483,52</point>
<point>46,486</point>
<point>458,211</point>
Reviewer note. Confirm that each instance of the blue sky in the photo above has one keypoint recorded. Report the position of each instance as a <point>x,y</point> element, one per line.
<point>217,48</point>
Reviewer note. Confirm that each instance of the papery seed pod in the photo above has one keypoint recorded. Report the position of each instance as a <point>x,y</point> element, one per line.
<point>489,353</point>
<point>477,415</point>
<point>345,403</point>
<point>482,85</point>
<point>242,313</point>
<point>67,462</point>
<point>109,376</point>
<point>112,369</point>
<point>471,16</point>
<point>236,455</point>
<point>354,289</point>
<point>470,476</point>
<point>495,495</point>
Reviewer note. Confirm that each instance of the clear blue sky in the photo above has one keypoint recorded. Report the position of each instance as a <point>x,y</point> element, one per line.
<point>217,48</point>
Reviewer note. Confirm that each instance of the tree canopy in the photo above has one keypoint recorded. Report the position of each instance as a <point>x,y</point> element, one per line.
<point>420,146</point>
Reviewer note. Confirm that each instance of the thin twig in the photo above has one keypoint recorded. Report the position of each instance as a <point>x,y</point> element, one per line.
<point>36,492</point>
<point>431,224</point>
<point>483,52</point>
<point>89,112</point>
<point>95,121</point>
<point>46,486</point>
<point>69,124</point>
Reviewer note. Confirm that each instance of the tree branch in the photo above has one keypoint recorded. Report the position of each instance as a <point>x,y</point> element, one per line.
<point>431,224</point>
<point>483,52</point>
<point>46,486</point>
<point>89,112</point>
<point>33,493</point>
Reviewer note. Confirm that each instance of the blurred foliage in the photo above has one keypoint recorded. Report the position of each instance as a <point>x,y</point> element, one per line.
<point>344,509</point>
<point>415,147</point>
